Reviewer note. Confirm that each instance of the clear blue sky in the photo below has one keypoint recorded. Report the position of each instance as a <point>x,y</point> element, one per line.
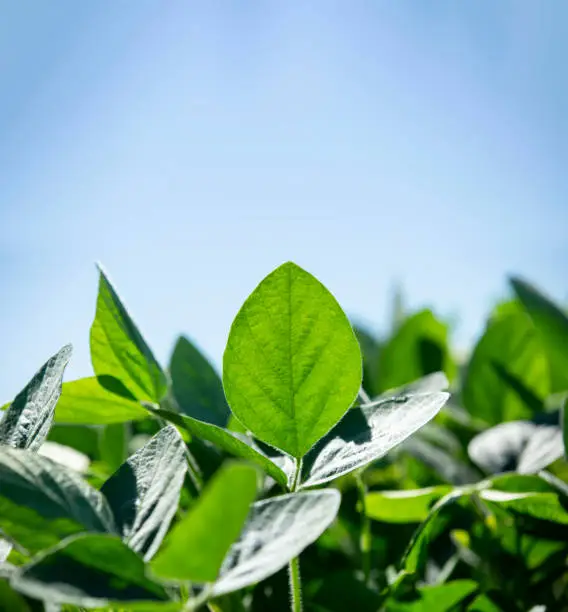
<point>194,146</point>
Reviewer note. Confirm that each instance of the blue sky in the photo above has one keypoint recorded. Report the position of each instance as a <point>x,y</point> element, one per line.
<point>192,147</point>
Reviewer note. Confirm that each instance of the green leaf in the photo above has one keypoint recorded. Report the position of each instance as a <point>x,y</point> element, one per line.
<point>90,571</point>
<point>119,350</point>
<point>196,386</point>
<point>369,432</point>
<point>552,325</point>
<point>442,598</point>
<point>42,502</point>
<point>407,506</point>
<point>512,342</point>
<point>233,443</point>
<point>26,423</point>
<point>292,366</point>
<point>144,493</point>
<point>113,444</point>
<point>518,445</point>
<point>541,506</point>
<point>86,401</point>
<point>277,530</point>
<point>418,347</point>
<point>197,545</point>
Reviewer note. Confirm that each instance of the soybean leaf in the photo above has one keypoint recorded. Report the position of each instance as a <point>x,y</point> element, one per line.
<point>26,422</point>
<point>512,342</point>
<point>144,493</point>
<point>197,545</point>
<point>42,502</point>
<point>406,506</point>
<point>367,433</point>
<point>534,403</point>
<point>277,530</point>
<point>417,348</point>
<point>90,571</point>
<point>541,506</point>
<point>87,401</point>
<point>196,386</point>
<point>119,350</point>
<point>518,445</point>
<point>552,325</point>
<point>233,443</point>
<point>292,366</point>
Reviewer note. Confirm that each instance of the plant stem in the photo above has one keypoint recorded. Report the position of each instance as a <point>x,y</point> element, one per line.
<point>365,536</point>
<point>295,585</point>
<point>294,565</point>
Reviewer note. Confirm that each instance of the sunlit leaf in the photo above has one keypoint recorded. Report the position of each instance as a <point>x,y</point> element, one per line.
<point>367,433</point>
<point>26,423</point>
<point>119,350</point>
<point>144,493</point>
<point>42,502</point>
<point>197,545</point>
<point>292,366</point>
<point>277,530</point>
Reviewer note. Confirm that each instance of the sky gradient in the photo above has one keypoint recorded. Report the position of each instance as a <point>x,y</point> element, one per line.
<point>192,147</point>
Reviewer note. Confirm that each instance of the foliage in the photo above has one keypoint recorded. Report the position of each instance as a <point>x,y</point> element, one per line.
<point>321,448</point>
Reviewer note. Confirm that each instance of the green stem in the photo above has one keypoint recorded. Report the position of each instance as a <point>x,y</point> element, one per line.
<point>295,585</point>
<point>365,536</point>
<point>294,565</point>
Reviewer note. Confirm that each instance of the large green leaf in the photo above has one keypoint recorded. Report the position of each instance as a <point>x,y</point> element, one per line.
<point>10,601</point>
<point>26,423</point>
<point>417,348</point>
<point>564,425</point>
<point>144,493</point>
<point>42,502</point>
<point>197,545</point>
<point>196,386</point>
<point>517,445</point>
<point>367,433</point>
<point>87,401</point>
<point>277,530</point>
<point>407,506</point>
<point>119,350</point>
<point>233,443</point>
<point>552,325</point>
<point>91,571</point>
<point>292,366</point>
<point>512,343</point>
